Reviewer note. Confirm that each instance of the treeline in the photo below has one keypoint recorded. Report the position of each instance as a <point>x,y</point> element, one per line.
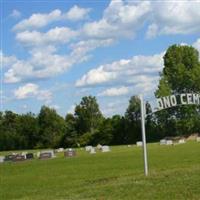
<point>87,126</point>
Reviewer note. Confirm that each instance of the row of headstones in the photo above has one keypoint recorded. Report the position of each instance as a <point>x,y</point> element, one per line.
<point>41,155</point>
<point>171,142</point>
<point>167,142</point>
<point>92,150</point>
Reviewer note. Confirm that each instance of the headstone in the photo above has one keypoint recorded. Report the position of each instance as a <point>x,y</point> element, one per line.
<point>47,154</point>
<point>163,142</point>
<point>19,157</point>
<point>38,154</point>
<point>59,150</point>
<point>24,154</point>
<point>99,146</point>
<point>198,139</point>
<point>169,142</point>
<point>88,148</point>
<point>70,153</point>
<point>29,156</point>
<point>181,141</point>
<point>9,157</point>
<point>92,151</point>
<point>105,148</point>
<point>139,144</point>
<point>2,159</point>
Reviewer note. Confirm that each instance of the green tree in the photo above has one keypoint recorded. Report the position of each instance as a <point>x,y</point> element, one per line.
<point>52,127</point>
<point>88,115</point>
<point>9,139</point>
<point>27,128</point>
<point>70,138</point>
<point>88,119</point>
<point>180,75</point>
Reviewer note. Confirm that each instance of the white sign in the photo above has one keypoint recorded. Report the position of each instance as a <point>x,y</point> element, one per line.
<point>175,100</point>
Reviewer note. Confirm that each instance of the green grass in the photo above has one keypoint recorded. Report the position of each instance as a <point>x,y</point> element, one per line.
<point>174,174</point>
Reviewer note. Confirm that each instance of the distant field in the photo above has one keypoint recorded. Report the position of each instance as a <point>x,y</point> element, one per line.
<point>174,174</point>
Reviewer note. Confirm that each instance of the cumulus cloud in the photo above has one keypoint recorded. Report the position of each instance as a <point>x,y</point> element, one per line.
<point>115,91</point>
<point>38,68</point>
<point>26,91</point>
<point>31,90</point>
<point>120,19</point>
<point>174,17</point>
<point>39,20</point>
<point>123,71</point>
<point>57,35</point>
<point>76,13</point>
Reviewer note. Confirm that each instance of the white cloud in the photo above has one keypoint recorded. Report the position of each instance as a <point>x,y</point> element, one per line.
<point>115,91</point>
<point>57,35</point>
<point>120,19</point>
<point>77,13</point>
<point>39,20</point>
<point>26,91</point>
<point>174,17</point>
<point>31,90</point>
<point>7,60</point>
<point>15,14</point>
<point>115,107</point>
<point>96,76</point>
<point>123,71</point>
<point>53,64</point>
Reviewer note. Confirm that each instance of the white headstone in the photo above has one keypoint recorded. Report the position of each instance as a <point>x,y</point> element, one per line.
<point>105,148</point>
<point>60,150</point>
<point>181,141</point>
<point>169,142</point>
<point>1,159</point>
<point>38,154</point>
<point>198,139</point>
<point>99,147</point>
<point>24,154</point>
<point>92,150</point>
<point>139,143</point>
<point>88,148</point>
<point>163,142</point>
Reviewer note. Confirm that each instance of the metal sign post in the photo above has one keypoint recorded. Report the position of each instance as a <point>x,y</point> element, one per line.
<point>143,115</point>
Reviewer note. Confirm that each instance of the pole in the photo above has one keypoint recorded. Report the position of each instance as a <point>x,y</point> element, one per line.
<point>143,115</point>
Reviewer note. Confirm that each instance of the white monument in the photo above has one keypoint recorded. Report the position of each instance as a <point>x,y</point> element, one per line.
<point>169,142</point>
<point>92,151</point>
<point>139,143</point>
<point>88,148</point>
<point>105,149</point>
<point>1,159</point>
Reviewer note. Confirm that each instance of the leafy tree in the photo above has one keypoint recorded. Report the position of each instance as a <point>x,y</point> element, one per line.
<point>9,139</point>
<point>119,135</point>
<point>28,129</point>
<point>180,75</point>
<point>52,127</point>
<point>87,115</point>
<point>70,138</point>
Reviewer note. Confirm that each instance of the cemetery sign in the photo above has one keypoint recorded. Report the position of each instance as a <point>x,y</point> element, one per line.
<point>176,100</point>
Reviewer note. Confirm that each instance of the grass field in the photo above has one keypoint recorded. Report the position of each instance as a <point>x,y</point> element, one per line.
<point>174,174</point>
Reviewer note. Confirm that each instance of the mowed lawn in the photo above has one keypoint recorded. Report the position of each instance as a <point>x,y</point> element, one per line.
<point>174,174</point>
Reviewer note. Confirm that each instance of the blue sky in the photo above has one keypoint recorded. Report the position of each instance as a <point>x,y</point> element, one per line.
<point>55,52</point>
